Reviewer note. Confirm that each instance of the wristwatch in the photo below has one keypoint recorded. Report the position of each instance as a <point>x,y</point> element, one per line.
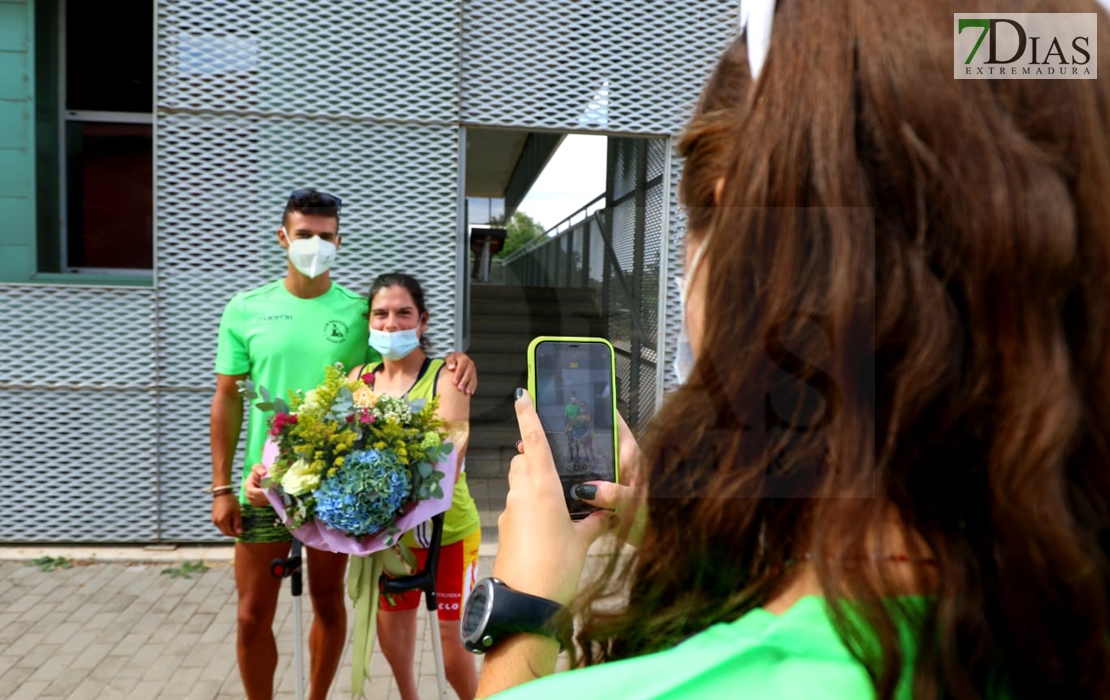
<point>494,611</point>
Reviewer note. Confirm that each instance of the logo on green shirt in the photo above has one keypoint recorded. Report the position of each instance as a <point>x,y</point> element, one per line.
<point>335,331</point>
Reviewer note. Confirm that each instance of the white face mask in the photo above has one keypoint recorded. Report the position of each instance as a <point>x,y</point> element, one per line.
<point>684,359</point>
<point>395,345</point>
<point>311,257</point>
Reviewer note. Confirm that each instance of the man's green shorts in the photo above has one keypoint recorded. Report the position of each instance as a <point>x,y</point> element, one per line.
<point>262,526</point>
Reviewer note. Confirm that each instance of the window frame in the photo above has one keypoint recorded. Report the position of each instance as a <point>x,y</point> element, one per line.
<point>58,269</point>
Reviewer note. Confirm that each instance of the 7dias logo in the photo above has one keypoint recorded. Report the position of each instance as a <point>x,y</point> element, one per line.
<point>1045,46</point>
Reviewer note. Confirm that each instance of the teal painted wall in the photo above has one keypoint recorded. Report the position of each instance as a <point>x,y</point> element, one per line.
<point>17,141</point>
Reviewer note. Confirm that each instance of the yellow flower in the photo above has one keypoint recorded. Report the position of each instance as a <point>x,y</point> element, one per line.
<point>339,461</point>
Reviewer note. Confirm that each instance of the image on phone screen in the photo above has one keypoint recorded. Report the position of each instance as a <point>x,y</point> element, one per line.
<point>574,398</point>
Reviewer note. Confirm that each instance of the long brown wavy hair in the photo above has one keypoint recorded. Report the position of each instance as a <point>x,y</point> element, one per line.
<point>907,282</point>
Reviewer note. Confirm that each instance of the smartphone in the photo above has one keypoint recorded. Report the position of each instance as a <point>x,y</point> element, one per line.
<point>573,384</point>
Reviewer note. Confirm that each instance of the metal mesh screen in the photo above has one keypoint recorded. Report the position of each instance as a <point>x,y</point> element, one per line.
<point>629,67</point>
<point>80,445</point>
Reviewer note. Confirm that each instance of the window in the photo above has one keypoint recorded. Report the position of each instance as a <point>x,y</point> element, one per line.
<point>95,137</point>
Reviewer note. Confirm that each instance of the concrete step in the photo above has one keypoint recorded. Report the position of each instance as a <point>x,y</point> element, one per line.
<point>496,435</point>
<point>524,308</point>
<point>538,294</point>
<point>494,323</point>
<point>510,342</point>
<point>500,361</point>
<point>492,409</point>
<point>489,461</point>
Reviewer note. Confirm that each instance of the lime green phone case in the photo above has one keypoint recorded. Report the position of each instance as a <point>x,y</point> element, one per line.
<point>612,381</point>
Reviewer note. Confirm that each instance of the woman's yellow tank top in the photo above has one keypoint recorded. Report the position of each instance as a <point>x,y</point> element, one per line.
<point>462,518</point>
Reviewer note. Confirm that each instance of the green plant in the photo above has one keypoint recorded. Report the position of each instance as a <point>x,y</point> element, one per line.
<point>186,570</point>
<point>51,563</point>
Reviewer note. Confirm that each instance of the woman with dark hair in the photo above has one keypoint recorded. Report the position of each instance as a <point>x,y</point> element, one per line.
<point>889,473</point>
<point>398,323</point>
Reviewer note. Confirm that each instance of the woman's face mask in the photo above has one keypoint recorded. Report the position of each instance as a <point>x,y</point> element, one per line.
<point>394,345</point>
<point>684,359</point>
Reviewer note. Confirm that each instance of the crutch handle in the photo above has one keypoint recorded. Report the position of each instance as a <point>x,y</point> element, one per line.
<point>423,580</point>
<point>289,567</point>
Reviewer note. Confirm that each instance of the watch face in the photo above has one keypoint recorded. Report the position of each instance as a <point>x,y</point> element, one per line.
<point>476,612</point>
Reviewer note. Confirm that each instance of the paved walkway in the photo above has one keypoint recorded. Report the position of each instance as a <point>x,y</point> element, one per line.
<point>121,630</point>
<point>114,627</point>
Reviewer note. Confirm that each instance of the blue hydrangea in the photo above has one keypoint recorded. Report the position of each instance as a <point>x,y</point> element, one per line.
<point>365,495</point>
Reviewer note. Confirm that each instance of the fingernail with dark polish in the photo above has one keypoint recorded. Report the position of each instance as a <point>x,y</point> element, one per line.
<point>588,491</point>
<point>519,393</point>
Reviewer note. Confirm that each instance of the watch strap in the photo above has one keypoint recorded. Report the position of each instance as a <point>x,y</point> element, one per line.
<point>515,611</point>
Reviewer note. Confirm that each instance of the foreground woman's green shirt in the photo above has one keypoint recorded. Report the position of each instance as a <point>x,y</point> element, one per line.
<point>761,655</point>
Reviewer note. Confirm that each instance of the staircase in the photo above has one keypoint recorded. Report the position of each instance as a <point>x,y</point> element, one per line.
<point>503,321</point>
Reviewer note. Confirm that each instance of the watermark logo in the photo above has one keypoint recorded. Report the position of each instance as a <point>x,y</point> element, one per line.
<point>1042,46</point>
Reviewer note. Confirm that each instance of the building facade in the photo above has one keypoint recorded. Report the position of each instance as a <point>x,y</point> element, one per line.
<point>132,211</point>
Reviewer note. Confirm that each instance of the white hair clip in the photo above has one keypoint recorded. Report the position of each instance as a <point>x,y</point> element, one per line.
<point>756,17</point>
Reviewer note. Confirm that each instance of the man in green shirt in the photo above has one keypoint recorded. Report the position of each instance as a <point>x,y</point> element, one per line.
<point>570,412</point>
<point>281,336</point>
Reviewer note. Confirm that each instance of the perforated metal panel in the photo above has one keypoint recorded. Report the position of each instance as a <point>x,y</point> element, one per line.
<point>77,383</point>
<point>630,67</point>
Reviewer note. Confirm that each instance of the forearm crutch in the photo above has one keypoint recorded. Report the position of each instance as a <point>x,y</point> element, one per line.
<point>426,581</point>
<point>290,568</point>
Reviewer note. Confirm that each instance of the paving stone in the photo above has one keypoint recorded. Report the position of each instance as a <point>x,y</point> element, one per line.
<point>101,690</point>
<point>39,655</point>
<point>16,676</point>
<point>63,686</point>
<point>92,656</point>
<point>107,669</point>
<point>148,690</point>
<point>52,667</point>
<point>29,691</point>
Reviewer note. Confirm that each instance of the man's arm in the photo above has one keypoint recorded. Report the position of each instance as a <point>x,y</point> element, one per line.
<point>465,375</point>
<point>224,423</point>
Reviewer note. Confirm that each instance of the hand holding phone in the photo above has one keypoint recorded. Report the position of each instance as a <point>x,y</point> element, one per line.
<point>573,383</point>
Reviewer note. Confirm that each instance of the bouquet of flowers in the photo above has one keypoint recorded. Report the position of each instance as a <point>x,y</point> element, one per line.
<point>349,471</point>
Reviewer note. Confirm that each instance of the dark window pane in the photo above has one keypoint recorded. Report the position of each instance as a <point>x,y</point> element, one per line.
<point>110,195</point>
<point>109,55</point>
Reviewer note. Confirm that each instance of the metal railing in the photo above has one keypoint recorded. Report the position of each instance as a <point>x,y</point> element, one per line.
<point>580,252</point>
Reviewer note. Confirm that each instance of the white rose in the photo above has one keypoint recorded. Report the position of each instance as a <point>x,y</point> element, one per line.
<point>300,479</point>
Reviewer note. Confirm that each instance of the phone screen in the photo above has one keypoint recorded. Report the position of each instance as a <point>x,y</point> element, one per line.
<point>574,398</point>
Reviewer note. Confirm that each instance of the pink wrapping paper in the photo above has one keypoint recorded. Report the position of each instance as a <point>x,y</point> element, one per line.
<point>319,536</point>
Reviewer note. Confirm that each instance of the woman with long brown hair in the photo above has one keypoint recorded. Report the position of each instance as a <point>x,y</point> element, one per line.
<point>889,473</point>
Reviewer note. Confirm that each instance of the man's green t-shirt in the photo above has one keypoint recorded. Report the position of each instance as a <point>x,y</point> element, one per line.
<point>284,343</point>
<point>760,656</point>
<point>571,411</point>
